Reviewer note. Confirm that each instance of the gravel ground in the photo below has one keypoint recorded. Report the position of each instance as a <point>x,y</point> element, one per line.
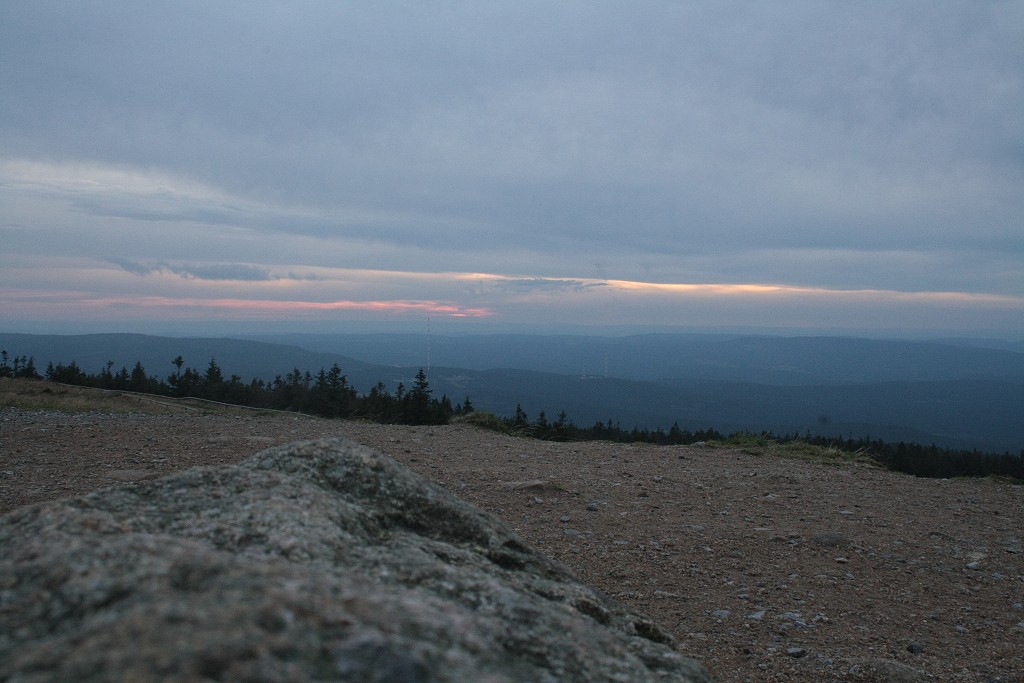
<point>763,568</point>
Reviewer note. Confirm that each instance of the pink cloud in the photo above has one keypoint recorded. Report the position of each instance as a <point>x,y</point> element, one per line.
<point>183,308</point>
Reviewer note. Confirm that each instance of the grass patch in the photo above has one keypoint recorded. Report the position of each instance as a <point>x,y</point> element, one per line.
<point>483,420</point>
<point>40,395</point>
<point>759,444</point>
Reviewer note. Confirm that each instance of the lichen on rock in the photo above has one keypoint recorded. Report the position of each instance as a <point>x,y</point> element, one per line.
<point>320,560</point>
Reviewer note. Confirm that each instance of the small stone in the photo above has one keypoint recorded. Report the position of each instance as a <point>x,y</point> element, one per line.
<point>973,565</point>
<point>565,518</point>
<point>721,613</point>
<point>796,652</point>
<point>756,616</point>
<point>842,560</point>
<point>915,648</point>
<point>593,506</point>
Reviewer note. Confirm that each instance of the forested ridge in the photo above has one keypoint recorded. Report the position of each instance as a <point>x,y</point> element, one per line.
<point>327,393</point>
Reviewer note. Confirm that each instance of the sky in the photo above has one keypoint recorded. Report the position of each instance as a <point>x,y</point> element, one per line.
<point>202,167</point>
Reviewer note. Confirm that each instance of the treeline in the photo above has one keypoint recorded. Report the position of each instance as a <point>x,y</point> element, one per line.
<point>910,458</point>
<point>328,394</point>
<point>19,366</point>
<point>564,429</point>
<point>325,394</point>
<point>929,461</point>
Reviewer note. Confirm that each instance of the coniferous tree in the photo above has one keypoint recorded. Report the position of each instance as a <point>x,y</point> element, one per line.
<point>139,380</point>
<point>107,376</point>
<point>213,381</point>
<point>26,368</point>
<point>416,404</point>
<point>520,420</point>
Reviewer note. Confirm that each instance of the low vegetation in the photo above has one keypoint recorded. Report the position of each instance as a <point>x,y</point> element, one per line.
<point>328,394</point>
<point>41,395</point>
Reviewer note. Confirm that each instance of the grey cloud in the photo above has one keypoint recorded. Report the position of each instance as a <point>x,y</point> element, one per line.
<point>522,285</point>
<point>135,267</point>
<point>149,210</point>
<point>216,271</point>
<point>661,128</point>
<point>225,271</point>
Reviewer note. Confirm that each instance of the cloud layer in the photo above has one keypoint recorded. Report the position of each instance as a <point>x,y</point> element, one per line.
<point>233,151</point>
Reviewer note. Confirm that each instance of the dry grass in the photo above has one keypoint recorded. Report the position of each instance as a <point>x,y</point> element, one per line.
<point>28,394</point>
<point>753,444</point>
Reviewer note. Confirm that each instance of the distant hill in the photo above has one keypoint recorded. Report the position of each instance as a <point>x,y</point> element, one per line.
<point>961,414</point>
<point>949,394</point>
<point>248,359</point>
<point>687,357</point>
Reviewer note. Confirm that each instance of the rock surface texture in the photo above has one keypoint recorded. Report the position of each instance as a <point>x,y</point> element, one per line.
<point>319,560</point>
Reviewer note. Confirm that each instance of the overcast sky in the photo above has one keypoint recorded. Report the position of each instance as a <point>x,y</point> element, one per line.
<point>203,166</point>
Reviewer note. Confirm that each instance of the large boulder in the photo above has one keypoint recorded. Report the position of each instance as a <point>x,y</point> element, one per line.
<point>314,561</point>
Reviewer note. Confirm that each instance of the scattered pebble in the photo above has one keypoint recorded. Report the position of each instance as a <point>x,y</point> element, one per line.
<point>796,652</point>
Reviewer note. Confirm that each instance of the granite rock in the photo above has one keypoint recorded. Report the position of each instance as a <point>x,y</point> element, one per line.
<point>319,560</point>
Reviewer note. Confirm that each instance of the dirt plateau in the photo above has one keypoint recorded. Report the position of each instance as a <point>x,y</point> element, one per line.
<point>764,568</point>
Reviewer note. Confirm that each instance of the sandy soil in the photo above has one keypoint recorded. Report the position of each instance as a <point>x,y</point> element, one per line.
<point>763,568</point>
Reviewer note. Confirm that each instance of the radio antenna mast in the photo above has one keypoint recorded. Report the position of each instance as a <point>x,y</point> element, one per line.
<point>428,343</point>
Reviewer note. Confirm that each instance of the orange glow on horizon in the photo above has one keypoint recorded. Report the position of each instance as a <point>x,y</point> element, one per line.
<point>264,306</point>
<point>793,290</point>
<point>509,298</point>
